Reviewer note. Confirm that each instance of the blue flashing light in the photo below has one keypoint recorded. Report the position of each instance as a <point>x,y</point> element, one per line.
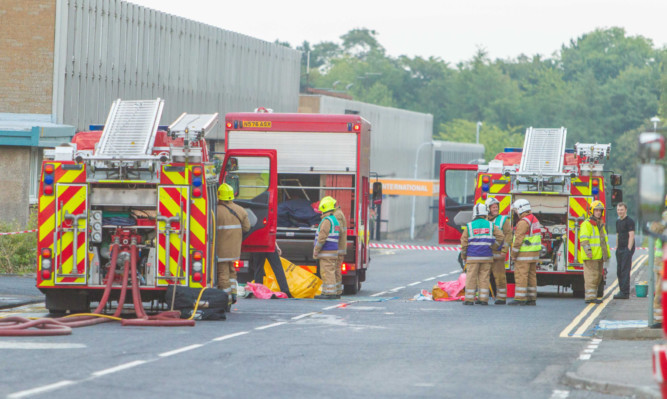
<point>48,179</point>
<point>196,182</point>
<point>513,149</point>
<point>236,124</point>
<point>485,187</point>
<point>595,190</point>
<point>569,150</point>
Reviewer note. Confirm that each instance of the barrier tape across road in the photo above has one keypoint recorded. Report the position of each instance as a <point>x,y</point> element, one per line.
<point>18,232</point>
<point>428,247</point>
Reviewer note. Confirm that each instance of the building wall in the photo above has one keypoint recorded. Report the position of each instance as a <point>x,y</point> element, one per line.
<point>112,49</point>
<point>395,136</point>
<point>26,56</point>
<point>15,166</point>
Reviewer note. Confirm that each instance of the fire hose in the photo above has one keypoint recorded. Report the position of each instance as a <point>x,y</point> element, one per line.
<point>21,326</point>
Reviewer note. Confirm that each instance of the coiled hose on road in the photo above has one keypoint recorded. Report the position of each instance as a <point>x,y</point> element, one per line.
<point>20,326</point>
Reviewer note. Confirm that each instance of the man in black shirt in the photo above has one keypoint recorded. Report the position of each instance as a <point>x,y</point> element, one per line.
<point>625,248</point>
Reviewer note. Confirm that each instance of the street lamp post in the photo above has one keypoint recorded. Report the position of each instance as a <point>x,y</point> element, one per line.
<point>479,124</point>
<point>414,198</point>
<point>655,121</point>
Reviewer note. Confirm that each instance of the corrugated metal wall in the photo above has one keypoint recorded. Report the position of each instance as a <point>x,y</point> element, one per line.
<point>395,136</point>
<point>110,49</point>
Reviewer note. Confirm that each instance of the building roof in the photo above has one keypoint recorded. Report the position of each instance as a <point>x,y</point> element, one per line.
<point>32,130</point>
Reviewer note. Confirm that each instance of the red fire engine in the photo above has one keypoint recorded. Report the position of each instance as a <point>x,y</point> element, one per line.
<point>560,184</point>
<point>281,165</point>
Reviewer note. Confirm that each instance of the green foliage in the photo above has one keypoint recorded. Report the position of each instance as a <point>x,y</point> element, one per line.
<point>494,139</point>
<point>18,253</point>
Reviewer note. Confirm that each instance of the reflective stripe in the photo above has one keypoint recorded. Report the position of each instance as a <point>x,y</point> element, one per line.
<point>488,244</point>
<point>331,240</point>
<point>515,250</point>
<point>226,259</point>
<point>321,255</point>
<point>520,289</point>
<point>328,285</point>
<point>229,227</point>
<point>528,258</point>
<point>520,295</point>
<point>479,258</point>
<point>532,288</point>
<point>502,290</point>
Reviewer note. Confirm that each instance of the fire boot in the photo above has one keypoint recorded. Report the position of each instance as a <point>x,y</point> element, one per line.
<point>325,296</point>
<point>500,302</point>
<point>531,302</point>
<point>517,303</point>
<point>233,298</point>
<point>468,303</point>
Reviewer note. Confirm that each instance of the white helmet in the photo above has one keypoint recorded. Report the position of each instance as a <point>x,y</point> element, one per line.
<point>490,201</point>
<point>521,205</point>
<point>479,210</point>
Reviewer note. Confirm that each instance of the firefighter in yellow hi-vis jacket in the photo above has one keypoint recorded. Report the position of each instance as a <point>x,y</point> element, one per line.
<point>525,254</point>
<point>595,250</point>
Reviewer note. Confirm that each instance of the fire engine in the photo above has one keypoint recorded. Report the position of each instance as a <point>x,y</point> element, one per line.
<point>559,183</point>
<point>131,191</point>
<point>282,164</point>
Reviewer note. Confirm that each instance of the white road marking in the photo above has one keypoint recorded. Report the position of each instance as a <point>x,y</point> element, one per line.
<point>301,316</point>
<point>430,278</point>
<point>38,345</point>
<point>589,350</point>
<point>396,289</point>
<point>376,294</point>
<point>183,349</point>
<point>280,323</point>
<point>332,307</point>
<point>119,368</point>
<point>38,390</point>
<point>415,283</point>
<point>558,394</point>
<point>228,336</point>
<point>584,357</point>
<point>443,275</point>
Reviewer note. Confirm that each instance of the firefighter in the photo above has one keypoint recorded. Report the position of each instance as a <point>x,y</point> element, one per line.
<point>498,267</point>
<point>525,254</point>
<point>657,293</point>
<point>232,221</point>
<point>595,250</point>
<point>342,245</point>
<point>326,248</point>
<point>480,238</point>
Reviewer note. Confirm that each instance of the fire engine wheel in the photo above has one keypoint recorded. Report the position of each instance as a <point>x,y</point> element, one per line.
<point>352,289</point>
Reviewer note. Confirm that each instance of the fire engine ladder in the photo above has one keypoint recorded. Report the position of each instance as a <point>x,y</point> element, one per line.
<point>543,151</point>
<point>193,127</point>
<point>129,132</point>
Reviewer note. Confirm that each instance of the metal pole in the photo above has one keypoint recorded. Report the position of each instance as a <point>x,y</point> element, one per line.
<point>478,125</point>
<point>414,198</point>
<point>651,279</point>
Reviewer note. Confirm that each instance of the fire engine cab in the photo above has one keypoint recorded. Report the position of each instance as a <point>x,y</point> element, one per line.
<point>559,183</point>
<point>131,189</point>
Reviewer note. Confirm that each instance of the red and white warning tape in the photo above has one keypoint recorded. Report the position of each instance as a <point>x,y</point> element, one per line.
<point>418,247</point>
<point>18,232</point>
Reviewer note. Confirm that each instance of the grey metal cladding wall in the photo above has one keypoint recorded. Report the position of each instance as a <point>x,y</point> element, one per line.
<point>115,49</point>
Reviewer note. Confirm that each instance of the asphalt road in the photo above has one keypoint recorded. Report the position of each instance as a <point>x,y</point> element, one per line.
<point>379,343</point>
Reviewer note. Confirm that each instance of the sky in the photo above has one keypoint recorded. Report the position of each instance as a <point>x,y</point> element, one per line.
<point>452,30</point>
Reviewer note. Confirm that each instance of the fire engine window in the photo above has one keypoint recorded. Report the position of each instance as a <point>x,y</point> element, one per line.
<point>460,185</point>
<point>250,179</point>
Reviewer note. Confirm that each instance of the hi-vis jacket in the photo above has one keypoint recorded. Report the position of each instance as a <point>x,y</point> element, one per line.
<point>478,241</point>
<point>527,238</point>
<point>342,239</point>
<point>503,223</point>
<point>592,241</point>
<point>230,229</point>
<point>326,240</point>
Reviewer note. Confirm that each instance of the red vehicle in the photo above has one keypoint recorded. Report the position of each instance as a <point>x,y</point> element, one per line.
<point>560,184</point>
<point>281,165</point>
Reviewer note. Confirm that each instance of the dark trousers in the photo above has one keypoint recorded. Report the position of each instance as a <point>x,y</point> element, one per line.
<point>623,266</point>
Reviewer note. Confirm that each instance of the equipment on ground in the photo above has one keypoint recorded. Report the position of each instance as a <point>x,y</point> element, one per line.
<point>558,185</point>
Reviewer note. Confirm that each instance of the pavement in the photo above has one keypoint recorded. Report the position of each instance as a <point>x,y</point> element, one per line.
<point>621,348</point>
<point>18,290</point>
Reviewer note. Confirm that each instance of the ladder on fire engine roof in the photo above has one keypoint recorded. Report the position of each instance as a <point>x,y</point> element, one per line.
<point>543,151</point>
<point>130,129</point>
<point>193,126</point>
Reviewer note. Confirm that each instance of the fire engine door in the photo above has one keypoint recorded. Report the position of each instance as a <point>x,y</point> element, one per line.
<point>71,236</point>
<point>173,236</point>
<point>253,174</point>
<point>457,197</point>
<point>578,206</point>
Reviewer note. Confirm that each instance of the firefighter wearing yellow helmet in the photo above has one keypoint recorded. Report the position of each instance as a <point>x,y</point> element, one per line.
<point>231,222</point>
<point>594,250</point>
<point>342,244</point>
<point>326,248</point>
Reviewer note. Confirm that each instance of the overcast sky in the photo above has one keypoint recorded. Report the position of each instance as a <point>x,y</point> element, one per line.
<point>452,30</point>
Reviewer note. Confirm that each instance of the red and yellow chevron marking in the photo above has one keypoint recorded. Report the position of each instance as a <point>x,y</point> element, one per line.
<point>578,208</point>
<point>199,230</point>
<point>499,184</point>
<point>172,201</point>
<point>46,217</point>
<point>580,189</point>
<point>173,177</point>
<point>70,199</point>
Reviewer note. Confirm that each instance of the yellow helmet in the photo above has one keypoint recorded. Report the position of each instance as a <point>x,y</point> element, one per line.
<point>597,204</point>
<point>327,204</point>
<point>225,192</point>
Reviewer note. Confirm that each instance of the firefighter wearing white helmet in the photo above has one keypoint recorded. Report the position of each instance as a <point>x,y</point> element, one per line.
<point>326,248</point>
<point>525,254</point>
<point>231,222</point>
<point>478,241</point>
<point>499,255</point>
<point>594,250</point>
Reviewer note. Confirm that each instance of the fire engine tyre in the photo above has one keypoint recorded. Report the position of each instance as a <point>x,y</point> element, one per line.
<point>352,289</point>
<point>60,301</point>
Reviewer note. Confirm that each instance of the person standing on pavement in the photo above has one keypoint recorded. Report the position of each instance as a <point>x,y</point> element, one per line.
<point>657,293</point>
<point>625,249</point>
<point>342,246</point>
<point>231,222</point>
<point>595,251</point>
<point>499,255</point>
<point>525,254</point>
<point>478,241</point>
<point>326,248</point>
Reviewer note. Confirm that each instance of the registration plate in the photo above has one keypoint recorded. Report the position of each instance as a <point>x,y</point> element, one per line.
<point>256,123</point>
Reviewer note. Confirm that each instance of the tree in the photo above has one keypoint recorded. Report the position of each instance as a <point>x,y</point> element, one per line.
<point>492,137</point>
